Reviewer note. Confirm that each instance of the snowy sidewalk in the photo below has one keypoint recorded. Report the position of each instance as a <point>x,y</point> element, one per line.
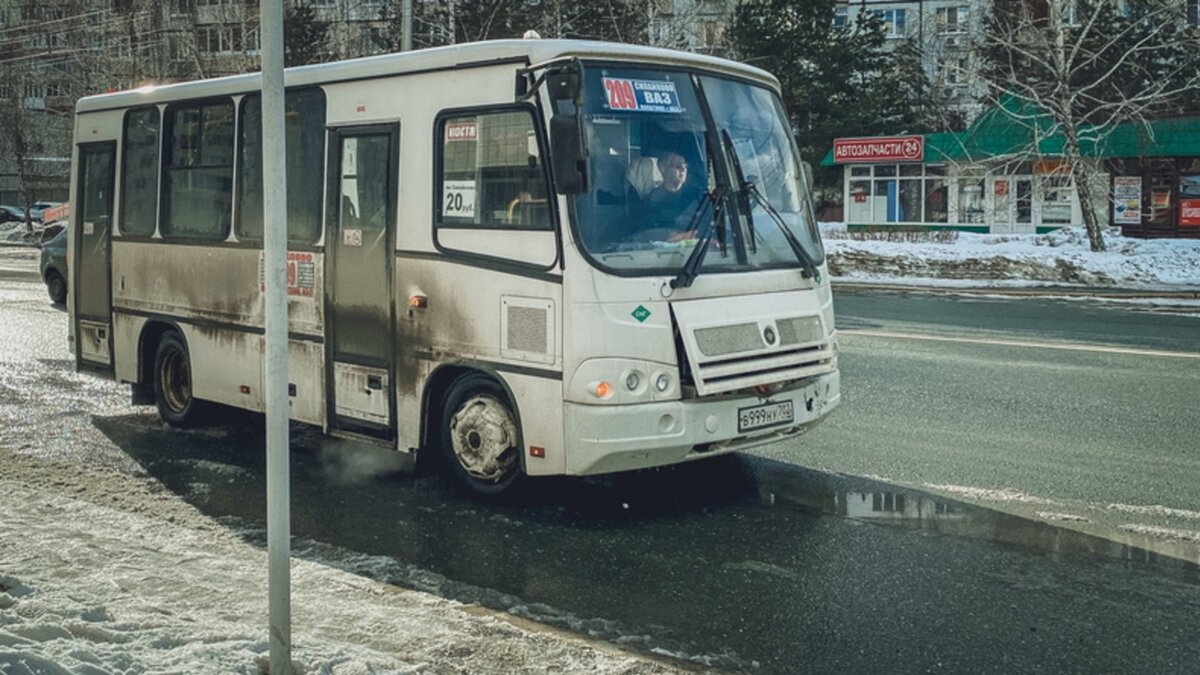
<point>1059,261</point>
<point>102,573</point>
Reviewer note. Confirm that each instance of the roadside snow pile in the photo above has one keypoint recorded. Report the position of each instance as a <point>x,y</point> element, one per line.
<point>1059,258</point>
<point>100,573</point>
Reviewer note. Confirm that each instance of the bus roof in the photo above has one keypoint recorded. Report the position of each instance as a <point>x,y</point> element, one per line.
<point>437,58</point>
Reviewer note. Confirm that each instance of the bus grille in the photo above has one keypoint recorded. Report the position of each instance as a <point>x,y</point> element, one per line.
<point>740,355</point>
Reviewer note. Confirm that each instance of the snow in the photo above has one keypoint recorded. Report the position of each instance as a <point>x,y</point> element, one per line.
<point>100,572</point>
<point>1060,259</point>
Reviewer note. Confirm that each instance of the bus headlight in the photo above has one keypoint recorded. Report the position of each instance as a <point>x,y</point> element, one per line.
<point>633,380</point>
<point>616,381</point>
<point>662,383</point>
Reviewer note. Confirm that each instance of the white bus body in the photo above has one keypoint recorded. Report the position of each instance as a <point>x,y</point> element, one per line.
<point>441,290</point>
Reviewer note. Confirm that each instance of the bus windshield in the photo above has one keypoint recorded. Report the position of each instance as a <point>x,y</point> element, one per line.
<point>662,179</point>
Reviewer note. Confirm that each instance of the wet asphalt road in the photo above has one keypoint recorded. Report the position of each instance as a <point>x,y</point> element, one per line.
<point>743,563</point>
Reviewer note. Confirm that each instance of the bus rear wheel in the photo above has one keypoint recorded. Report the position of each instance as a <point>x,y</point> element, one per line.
<point>173,383</point>
<point>480,439</point>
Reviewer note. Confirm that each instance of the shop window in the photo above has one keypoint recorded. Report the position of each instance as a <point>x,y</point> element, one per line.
<point>884,202</point>
<point>970,201</point>
<point>1058,199</point>
<point>935,201</point>
<point>859,208</point>
<point>910,201</point>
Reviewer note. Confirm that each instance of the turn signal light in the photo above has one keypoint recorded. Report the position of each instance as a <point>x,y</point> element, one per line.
<point>418,301</point>
<point>537,451</point>
<point>602,390</point>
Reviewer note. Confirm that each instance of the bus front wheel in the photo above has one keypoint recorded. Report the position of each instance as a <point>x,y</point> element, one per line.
<point>173,383</point>
<point>479,437</point>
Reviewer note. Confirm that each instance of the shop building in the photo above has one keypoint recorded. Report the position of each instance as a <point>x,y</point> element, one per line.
<point>1005,175</point>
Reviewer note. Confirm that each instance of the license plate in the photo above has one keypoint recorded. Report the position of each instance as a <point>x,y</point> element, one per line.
<point>767,415</point>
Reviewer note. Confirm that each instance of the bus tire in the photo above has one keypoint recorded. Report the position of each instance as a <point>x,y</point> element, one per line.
<point>480,437</point>
<point>173,383</point>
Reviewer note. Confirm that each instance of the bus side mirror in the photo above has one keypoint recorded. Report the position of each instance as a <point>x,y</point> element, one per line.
<point>567,156</point>
<point>808,175</point>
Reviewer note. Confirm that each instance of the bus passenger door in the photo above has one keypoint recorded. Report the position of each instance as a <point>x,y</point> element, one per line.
<point>91,221</point>
<point>358,289</point>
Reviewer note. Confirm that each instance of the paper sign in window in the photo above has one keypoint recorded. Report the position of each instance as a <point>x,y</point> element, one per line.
<point>458,199</point>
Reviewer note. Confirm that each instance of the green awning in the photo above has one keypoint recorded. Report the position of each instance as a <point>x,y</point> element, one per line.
<point>1008,129</point>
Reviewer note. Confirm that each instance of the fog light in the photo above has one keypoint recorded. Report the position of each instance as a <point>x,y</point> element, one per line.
<point>662,382</point>
<point>633,381</point>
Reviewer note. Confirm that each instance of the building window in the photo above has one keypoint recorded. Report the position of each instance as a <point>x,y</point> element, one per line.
<point>840,17</point>
<point>953,71</point>
<point>893,21</point>
<point>970,201</point>
<point>1193,13</point>
<point>904,193</point>
<point>229,38</point>
<point>491,173</point>
<point>952,20</point>
<point>1058,200</point>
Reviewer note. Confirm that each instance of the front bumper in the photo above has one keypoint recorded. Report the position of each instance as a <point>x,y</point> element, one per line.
<point>605,439</point>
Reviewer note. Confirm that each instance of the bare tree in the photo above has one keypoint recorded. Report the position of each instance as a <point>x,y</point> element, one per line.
<point>1079,69</point>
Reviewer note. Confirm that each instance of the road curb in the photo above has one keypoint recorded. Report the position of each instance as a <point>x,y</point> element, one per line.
<point>1040,291</point>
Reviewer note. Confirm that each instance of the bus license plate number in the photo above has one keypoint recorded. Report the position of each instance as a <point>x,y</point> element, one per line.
<point>767,415</point>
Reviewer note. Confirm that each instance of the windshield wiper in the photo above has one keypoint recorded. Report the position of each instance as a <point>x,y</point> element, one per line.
<point>691,266</point>
<point>746,187</point>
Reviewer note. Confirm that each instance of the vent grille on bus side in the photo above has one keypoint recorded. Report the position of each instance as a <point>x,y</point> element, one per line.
<point>527,329</point>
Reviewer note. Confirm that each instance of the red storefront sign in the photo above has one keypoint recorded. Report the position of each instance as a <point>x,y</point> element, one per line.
<point>1189,212</point>
<point>877,150</point>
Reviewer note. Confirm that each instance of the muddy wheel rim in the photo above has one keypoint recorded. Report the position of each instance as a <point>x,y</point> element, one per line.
<point>176,380</point>
<point>483,436</point>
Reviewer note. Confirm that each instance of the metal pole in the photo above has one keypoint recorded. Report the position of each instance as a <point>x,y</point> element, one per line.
<point>406,35</point>
<point>275,269</point>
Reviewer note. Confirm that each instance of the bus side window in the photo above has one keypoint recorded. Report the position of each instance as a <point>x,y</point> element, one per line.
<point>492,174</point>
<point>198,180</point>
<point>139,172</point>
<point>304,125</point>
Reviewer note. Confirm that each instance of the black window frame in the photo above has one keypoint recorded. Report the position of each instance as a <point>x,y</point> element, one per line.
<point>168,129</point>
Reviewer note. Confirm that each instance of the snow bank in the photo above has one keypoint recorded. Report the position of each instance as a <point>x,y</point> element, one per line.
<point>102,573</point>
<point>1060,258</point>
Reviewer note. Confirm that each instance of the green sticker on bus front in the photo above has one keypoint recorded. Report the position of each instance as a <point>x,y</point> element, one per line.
<point>641,313</point>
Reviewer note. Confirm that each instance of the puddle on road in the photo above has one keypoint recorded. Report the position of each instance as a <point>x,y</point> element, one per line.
<point>1057,534</point>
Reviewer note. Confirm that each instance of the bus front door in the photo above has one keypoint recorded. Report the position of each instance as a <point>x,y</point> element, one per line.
<point>91,218</point>
<point>358,290</point>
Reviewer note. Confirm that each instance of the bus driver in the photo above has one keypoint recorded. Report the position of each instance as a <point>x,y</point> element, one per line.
<point>671,205</point>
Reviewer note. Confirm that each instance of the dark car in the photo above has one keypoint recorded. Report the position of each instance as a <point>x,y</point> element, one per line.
<point>54,266</point>
<point>11,214</point>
